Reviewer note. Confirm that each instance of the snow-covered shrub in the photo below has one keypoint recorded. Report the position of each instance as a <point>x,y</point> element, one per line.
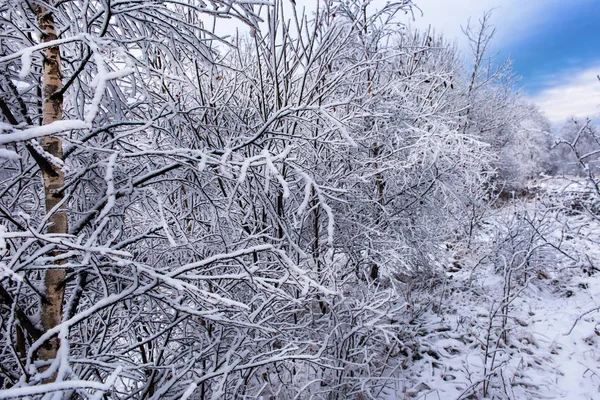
<point>261,217</point>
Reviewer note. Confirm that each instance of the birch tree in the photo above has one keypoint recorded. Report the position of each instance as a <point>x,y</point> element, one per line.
<point>246,217</point>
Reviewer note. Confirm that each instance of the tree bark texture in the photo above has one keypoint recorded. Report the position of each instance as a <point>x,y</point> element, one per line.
<point>52,108</point>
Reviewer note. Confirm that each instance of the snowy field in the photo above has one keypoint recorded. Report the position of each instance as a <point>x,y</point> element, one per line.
<point>538,342</point>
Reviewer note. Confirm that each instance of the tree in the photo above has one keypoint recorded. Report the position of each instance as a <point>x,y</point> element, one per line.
<point>135,231</point>
<point>498,115</point>
<point>246,217</point>
<point>527,154</point>
<point>576,152</point>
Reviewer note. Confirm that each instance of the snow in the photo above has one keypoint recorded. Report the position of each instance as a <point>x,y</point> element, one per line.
<point>49,157</point>
<point>110,186</point>
<point>202,163</point>
<point>306,200</point>
<point>181,272</point>
<point>5,271</point>
<point>273,171</point>
<point>3,248</point>
<point>575,356</point>
<point>552,327</point>
<point>9,154</point>
<point>310,183</point>
<point>101,79</point>
<point>189,391</point>
<point>41,46</point>
<point>340,127</point>
<point>20,135</point>
<point>62,386</point>
<point>223,167</point>
<point>163,219</point>
<point>25,63</point>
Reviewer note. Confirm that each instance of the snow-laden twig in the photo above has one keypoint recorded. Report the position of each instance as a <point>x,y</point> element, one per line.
<point>100,81</point>
<point>9,154</point>
<point>163,219</point>
<point>322,203</point>
<point>21,135</point>
<point>57,162</point>
<point>62,386</point>
<point>340,127</point>
<point>270,169</point>
<point>209,260</point>
<point>41,46</point>
<point>579,318</point>
<point>189,391</point>
<point>5,271</point>
<point>110,185</point>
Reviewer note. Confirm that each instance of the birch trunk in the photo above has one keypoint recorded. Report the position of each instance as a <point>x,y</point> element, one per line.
<point>52,107</point>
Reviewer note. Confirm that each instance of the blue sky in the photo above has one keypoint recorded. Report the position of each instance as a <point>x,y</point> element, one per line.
<point>554,45</point>
<point>565,38</point>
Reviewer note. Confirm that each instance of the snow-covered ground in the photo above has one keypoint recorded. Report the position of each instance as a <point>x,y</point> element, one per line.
<point>568,338</point>
<point>514,329</point>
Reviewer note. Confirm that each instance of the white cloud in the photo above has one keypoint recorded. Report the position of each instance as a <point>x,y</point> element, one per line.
<point>572,92</point>
<point>447,16</point>
<point>513,19</point>
<point>575,94</point>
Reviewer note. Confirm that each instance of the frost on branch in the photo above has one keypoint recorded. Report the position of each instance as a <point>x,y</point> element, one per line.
<point>265,215</point>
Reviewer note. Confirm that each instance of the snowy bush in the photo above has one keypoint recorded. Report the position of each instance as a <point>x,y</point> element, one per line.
<point>269,215</point>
